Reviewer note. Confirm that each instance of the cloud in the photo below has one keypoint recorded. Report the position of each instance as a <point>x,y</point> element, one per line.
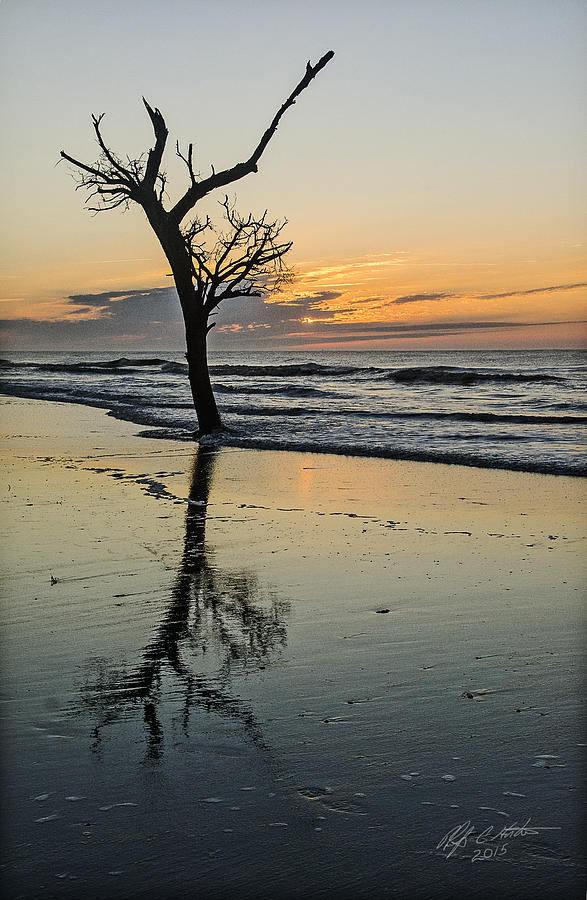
<point>370,262</point>
<point>318,297</point>
<point>150,316</point>
<point>105,299</point>
<point>153,316</point>
<point>355,331</point>
<point>541,290</point>
<point>421,298</point>
<point>446,295</point>
<point>274,317</point>
<point>371,300</point>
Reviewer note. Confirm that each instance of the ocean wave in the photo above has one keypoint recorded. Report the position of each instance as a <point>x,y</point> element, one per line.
<point>90,366</point>
<point>322,436</point>
<point>124,362</point>
<point>483,436</point>
<point>568,404</point>
<point>289,390</point>
<point>175,368</point>
<point>425,374</point>
<point>286,371</point>
<point>456,375</point>
<point>333,412</point>
<point>83,369</point>
<point>504,418</point>
<point>343,412</point>
<point>476,459</point>
<point>410,375</point>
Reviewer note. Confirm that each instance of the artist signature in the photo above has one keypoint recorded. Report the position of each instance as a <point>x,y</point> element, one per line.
<point>486,844</point>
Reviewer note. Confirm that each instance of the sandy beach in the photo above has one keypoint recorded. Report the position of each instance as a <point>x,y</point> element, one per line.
<point>284,674</point>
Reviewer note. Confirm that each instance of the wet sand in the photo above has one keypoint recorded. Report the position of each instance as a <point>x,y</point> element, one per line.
<point>284,675</point>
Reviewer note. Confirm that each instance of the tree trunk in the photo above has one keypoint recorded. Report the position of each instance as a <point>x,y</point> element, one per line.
<point>202,394</point>
<point>174,247</point>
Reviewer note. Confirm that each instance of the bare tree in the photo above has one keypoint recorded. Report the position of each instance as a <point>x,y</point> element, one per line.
<point>246,259</point>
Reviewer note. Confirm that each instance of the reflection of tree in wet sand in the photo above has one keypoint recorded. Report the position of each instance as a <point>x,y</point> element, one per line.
<point>217,622</point>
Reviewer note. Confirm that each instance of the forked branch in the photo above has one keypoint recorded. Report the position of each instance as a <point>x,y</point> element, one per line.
<point>108,179</point>
<point>116,183</point>
<point>227,176</point>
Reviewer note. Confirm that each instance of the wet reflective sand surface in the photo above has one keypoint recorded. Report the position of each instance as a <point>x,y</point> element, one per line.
<point>284,674</point>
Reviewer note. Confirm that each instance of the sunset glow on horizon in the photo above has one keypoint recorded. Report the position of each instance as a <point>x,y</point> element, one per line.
<point>431,186</point>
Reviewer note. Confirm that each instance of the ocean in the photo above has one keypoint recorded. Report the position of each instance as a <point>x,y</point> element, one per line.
<point>522,410</point>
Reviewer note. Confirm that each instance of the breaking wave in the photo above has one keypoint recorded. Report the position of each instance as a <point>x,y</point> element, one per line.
<point>409,375</point>
<point>288,390</point>
<point>456,375</point>
<point>508,409</point>
<point>287,371</point>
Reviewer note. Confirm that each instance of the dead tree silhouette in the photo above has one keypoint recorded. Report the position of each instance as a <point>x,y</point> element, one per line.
<point>245,260</point>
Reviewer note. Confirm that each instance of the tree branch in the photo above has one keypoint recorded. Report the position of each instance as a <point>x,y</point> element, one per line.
<point>125,175</point>
<point>227,176</point>
<point>156,153</point>
<point>245,260</point>
<point>90,169</point>
<point>188,160</point>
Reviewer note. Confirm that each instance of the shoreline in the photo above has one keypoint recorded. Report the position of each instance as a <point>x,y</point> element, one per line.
<point>158,433</point>
<point>283,673</point>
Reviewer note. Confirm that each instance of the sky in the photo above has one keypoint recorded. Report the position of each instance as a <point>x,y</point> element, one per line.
<point>432,175</point>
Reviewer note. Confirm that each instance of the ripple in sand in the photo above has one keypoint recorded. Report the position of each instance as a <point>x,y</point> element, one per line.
<point>113,805</point>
